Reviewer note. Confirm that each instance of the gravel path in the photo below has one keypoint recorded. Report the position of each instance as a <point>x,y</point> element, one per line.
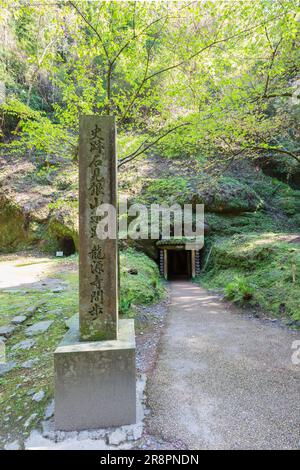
<point>223,380</point>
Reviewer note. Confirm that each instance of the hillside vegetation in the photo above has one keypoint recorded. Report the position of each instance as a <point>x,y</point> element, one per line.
<point>260,270</point>
<point>206,100</point>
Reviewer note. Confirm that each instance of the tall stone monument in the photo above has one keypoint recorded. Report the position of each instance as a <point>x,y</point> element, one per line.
<point>95,363</point>
<point>98,290</point>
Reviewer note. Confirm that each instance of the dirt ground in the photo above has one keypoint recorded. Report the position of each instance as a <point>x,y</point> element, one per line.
<point>223,379</point>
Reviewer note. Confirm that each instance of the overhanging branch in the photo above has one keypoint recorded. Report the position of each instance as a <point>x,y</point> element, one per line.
<point>141,149</point>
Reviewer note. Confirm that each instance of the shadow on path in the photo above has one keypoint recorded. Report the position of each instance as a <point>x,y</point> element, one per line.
<point>223,380</point>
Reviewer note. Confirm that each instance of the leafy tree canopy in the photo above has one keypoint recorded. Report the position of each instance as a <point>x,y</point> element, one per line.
<point>219,79</point>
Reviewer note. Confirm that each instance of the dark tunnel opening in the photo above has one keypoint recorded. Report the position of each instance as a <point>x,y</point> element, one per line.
<point>67,245</point>
<point>179,264</point>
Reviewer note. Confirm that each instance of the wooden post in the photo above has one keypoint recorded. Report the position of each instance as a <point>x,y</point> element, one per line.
<point>166,264</point>
<point>193,263</point>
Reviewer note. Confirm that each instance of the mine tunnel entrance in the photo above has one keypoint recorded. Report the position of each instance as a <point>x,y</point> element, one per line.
<point>67,245</point>
<point>179,264</point>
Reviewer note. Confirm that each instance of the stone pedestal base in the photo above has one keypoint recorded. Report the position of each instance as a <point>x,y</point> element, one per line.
<point>95,383</point>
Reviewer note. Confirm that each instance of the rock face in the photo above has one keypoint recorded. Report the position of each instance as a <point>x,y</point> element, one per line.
<point>27,214</point>
<point>227,196</point>
<point>220,195</point>
<point>12,223</point>
<point>63,222</point>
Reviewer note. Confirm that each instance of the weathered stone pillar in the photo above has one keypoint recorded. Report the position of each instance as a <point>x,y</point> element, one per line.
<point>98,259</point>
<point>95,362</point>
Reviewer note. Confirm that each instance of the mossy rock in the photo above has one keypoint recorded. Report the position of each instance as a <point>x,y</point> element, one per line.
<point>222,195</point>
<point>140,281</point>
<point>63,223</point>
<point>226,196</point>
<point>172,190</point>
<point>15,229</point>
<point>20,230</point>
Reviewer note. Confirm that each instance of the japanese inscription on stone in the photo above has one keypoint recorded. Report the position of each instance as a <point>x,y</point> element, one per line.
<point>98,296</point>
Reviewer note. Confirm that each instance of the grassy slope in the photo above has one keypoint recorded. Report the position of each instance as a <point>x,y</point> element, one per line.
<point>139,279</point>
<point>258,269</point>
<point>253,260</point>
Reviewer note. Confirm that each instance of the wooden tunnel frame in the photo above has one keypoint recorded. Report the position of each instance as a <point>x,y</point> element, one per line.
<point>193,259</point>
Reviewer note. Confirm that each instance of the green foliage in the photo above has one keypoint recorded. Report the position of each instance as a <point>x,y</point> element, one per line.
<point>125,305</point>
<point>140,281</point>
<point>166,190</point>
<point>148,65</point>
<point>226,225</point>
<point>266,266</point>
<point>35,131</point>
<point>239,290</point>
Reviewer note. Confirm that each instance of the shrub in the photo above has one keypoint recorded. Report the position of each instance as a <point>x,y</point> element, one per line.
<point>140,281</point>
<point>239,290</point>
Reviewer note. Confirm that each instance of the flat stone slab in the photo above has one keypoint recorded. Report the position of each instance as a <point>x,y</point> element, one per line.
<point>18,319</point>
<point>31,310</point>
<point>25,344</point>
<point>38,328</point>
<point>30,363</point>
<point>95,384</point>
<point>38,396</point>
<point>6,367</point>
<point>58,290</point>
<point>7,330</point>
